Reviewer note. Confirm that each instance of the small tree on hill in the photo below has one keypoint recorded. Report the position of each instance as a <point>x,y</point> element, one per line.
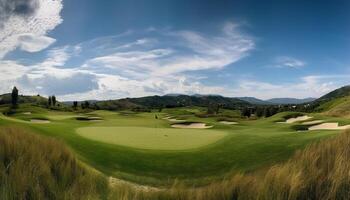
<point>213,108</point>
<point>75,104</point>
<point>87,104</point>
<point>49,101</point>
<point>14,97</point>
<point>53,98</point>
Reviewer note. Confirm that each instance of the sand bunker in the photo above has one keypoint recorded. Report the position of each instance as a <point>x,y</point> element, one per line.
<point>296,119</point>
<point>39,121</point>
<point>228,122</point>
<point>170,119</point>
<point>328,126</point>
<point>312,122</point>
<point>191,125</point>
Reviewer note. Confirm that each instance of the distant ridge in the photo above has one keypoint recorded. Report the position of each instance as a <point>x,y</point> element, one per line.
<point>254,100</point>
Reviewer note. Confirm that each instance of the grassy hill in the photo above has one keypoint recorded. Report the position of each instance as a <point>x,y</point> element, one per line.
<point>39,100</point>
<point>335,103</point>
<point>170,101</point>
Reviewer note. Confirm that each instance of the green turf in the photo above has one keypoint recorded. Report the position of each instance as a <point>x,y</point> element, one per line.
<point>152,138</point>
<point>247,146</point>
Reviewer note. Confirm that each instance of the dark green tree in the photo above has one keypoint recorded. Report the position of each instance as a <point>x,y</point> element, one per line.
<point>246,112</point>
<point>213,108</point>
<point>49,101</point>
<point>53,98</point>
<point>14,97</point>
<point>75,104</point>
<point>259,112</point>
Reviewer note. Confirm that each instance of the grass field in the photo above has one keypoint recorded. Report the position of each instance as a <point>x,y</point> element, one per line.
<point>132,146</point>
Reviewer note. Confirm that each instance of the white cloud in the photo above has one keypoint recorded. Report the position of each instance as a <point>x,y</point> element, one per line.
<point>28,30</point>
<point>33,43</point>
<point>307,86</point>
<point>175,52</point>
<point>289,62</point>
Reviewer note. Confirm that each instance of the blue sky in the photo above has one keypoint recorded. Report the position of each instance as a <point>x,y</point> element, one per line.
<point>91,49</point>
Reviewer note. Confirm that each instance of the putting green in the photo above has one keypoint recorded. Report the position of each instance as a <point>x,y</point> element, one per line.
<point>152,138</point>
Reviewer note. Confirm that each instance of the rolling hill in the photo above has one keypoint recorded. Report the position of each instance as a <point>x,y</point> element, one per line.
<point>171,101</point>
<point>39,100</point>
<point>335,103</point>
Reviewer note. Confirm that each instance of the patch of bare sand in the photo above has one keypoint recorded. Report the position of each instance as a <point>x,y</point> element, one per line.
<point>329,126</point>
<point>39,121</point>
<point>228,122</point>
<point>119,182</point>
<point>296,119</point>
<point>191,125</point>
<point>312,122</point>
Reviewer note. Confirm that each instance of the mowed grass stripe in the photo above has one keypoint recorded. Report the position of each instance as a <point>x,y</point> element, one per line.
<point>152,138</point>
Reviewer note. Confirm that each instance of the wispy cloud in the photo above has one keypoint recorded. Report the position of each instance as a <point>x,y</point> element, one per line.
<point>288,62</point>
<point>24,24</point>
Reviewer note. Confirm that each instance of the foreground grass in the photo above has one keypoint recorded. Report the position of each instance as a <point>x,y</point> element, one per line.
<point>321,171</point>
<point>33,167</point>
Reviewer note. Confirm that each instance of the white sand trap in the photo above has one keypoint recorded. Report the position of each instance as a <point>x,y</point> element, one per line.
<point>27,113</point>
<point>191,125</point>
<point>228,122</point>
<point>312,122</point>
<point>39,121</point>
<point>328,126</point>
<point>297,119</point>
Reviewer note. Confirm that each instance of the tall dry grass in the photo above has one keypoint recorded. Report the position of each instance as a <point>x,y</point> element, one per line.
<point>319,172</point>
<point>33,167</point>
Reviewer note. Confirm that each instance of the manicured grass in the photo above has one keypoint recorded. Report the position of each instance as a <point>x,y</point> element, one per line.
<point>152,138</point>
<point>248,146</point>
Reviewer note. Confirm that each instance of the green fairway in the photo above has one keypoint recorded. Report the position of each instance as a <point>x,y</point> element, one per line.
<point>152,138</point>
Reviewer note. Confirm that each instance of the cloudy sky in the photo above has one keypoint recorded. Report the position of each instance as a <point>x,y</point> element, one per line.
<point>93,49</point>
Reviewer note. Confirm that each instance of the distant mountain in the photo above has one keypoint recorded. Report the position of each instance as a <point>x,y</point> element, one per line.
<point>254,100</point>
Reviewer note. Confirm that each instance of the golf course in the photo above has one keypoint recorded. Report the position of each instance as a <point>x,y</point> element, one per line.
<point>145,147</point>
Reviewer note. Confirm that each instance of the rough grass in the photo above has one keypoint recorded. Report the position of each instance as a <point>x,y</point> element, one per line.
<point>321,171</point>
<point>33,167</point>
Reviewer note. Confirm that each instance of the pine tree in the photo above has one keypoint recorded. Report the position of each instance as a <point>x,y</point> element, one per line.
<point>14,97</point>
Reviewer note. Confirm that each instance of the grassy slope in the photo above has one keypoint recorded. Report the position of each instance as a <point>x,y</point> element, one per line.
<point>33,167</point>
<point>249,146</point>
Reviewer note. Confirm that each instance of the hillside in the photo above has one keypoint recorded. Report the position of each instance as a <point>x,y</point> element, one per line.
<point>39,100</point>
<point>335,103</point>
<point>253,100</point>
<point>171,101</point>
